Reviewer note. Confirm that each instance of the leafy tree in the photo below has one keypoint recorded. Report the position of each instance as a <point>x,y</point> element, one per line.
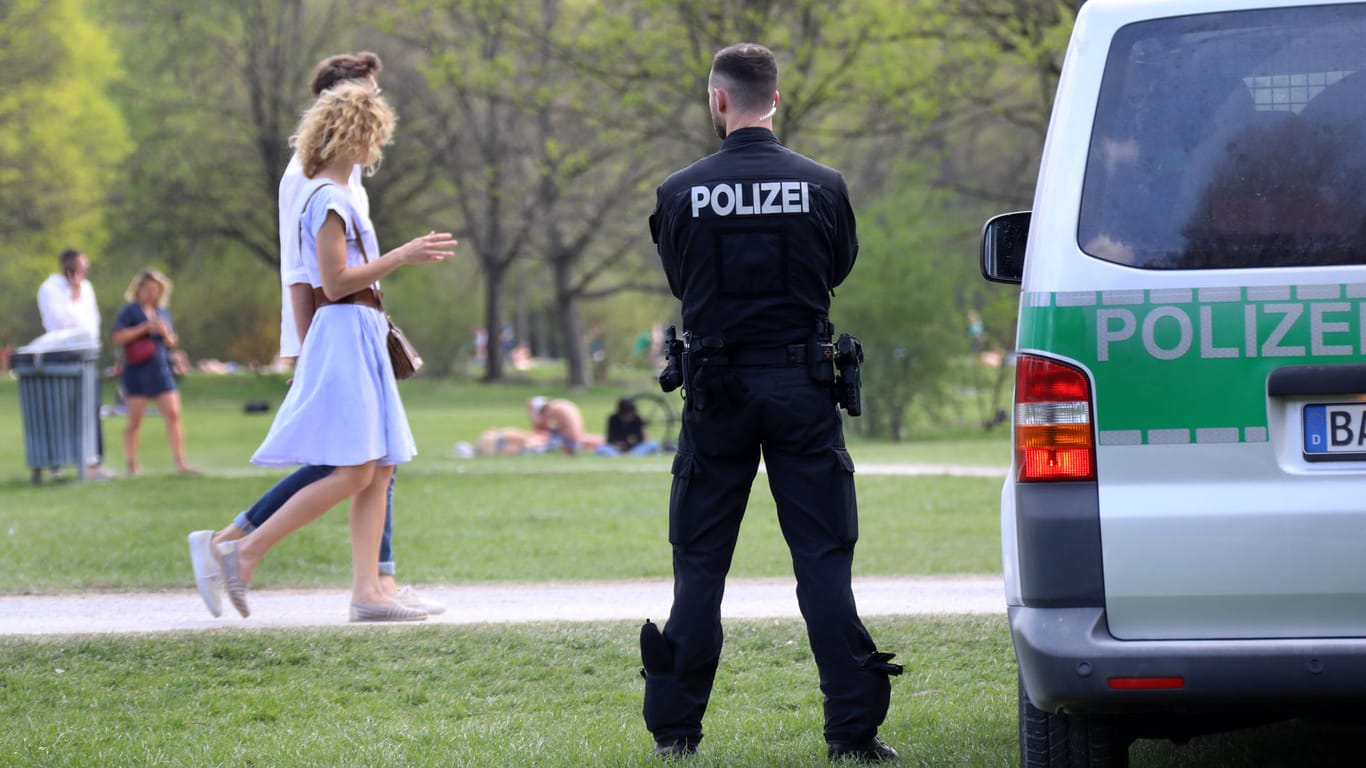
<point>212,103</point>
<point>61,139</point>
<point>538,168</point>
<point>900,302</point>
<point>1000,83</point>
<point>534,129</point>
<point>477,136</point>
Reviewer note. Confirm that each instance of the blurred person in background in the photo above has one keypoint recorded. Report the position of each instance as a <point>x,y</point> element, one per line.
<point>626,433</point>
<point>66,302</point>
<point>560,422</point>
<point>143,329</point>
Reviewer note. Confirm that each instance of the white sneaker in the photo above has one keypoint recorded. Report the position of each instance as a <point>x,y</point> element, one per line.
<point>208,571</point>
<point>408,597</point>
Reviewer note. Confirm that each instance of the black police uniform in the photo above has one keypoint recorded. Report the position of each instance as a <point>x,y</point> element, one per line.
<point>753,239</point>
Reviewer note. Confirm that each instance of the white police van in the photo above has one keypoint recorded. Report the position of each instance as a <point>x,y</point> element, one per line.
<point>1184,526</point>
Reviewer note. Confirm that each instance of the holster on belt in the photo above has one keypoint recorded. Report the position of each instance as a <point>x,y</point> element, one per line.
<point>712,386</point>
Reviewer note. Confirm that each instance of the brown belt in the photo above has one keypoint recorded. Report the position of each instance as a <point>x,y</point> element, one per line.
<point>365,297</point>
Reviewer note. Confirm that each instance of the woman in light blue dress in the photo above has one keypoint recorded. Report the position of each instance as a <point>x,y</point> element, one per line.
<point>343,409</point>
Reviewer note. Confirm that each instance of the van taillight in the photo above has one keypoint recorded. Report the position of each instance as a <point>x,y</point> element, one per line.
<point>1052,422</point>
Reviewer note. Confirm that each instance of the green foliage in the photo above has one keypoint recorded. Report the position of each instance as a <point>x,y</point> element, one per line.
<point>535,132</point>
<point>901,302</point>
<point>224,311</point>
<point>61,139</point>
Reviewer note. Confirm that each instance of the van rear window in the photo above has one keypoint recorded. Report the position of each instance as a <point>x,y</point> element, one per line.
<point>1231,140</point>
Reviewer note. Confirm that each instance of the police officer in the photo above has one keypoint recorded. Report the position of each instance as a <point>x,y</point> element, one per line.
<point>753,239</point>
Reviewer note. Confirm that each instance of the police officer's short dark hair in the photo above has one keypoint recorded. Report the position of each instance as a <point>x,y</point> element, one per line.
<point>344,66</point>
<point>752,71</point>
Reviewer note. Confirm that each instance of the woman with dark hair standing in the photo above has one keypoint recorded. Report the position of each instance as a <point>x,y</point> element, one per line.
<point>143,330</point>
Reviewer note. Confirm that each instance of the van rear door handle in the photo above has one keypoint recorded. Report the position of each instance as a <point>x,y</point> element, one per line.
<point>1296,380</point>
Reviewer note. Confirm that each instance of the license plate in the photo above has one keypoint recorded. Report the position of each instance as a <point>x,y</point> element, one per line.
<point>1335,432</point>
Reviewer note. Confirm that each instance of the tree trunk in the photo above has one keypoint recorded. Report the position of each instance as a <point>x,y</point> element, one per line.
<point>493,314</point>
<point>567,304</point>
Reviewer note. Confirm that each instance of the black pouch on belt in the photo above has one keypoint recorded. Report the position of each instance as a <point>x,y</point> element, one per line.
<point>820,353</point>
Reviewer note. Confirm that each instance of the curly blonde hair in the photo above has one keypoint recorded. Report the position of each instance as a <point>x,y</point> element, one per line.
<point>349,120</point>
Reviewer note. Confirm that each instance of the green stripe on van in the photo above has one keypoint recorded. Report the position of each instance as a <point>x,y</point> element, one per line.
<point>1190,365</point>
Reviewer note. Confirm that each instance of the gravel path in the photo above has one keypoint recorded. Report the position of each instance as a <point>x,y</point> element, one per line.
<point>131,612</point>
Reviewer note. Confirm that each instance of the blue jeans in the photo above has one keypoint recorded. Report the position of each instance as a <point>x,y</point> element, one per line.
<point>292,483</point>
<point>647,448</point>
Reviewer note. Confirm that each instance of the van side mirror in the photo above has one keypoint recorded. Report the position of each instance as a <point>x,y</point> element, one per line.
<point>1003,247</point>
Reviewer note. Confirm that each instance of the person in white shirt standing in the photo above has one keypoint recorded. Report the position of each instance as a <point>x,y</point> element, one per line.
<point>66,302</point>
<point>297,308</point>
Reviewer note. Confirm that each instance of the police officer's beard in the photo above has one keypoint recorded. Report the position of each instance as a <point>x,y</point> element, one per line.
<point>718,123</point>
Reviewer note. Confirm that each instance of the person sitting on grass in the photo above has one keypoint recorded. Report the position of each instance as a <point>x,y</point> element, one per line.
<point>561,423</point>
<point>626,433</point>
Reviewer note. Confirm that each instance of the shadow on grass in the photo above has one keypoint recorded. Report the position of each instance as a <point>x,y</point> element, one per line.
<point>1299,743</point>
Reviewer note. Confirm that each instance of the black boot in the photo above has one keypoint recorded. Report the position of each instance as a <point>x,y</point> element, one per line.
<point>675,748</point>
<point>871,751</point>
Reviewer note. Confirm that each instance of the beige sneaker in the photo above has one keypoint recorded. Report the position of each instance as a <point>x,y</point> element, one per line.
<point>232,577</point>
<point>407,596</point>
<point>391,611</point>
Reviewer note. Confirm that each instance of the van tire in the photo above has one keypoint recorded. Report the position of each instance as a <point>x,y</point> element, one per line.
<point>1068,740</point>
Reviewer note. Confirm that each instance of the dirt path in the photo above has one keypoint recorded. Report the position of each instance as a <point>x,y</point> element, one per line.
<point>125,612</point>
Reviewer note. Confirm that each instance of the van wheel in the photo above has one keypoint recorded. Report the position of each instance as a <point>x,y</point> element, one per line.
<point>1067,740</point>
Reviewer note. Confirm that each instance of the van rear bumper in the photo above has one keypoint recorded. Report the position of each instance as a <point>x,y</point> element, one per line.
<point>1067,658</point>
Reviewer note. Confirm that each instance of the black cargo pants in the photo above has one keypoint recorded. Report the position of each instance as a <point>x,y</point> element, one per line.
<point>792,420</point>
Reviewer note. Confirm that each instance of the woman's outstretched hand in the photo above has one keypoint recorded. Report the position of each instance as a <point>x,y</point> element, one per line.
<point>433,246</point>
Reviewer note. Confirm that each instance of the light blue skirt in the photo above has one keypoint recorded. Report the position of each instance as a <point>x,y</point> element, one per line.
<point>343,408</point>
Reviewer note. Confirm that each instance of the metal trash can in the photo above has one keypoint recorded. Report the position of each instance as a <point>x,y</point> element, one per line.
<point>59,398</point>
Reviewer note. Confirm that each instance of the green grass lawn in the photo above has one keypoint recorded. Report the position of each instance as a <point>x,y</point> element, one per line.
<point>521,518</point>
<point>544,695</point>
<point>450,696</point>
<point>472,526</point>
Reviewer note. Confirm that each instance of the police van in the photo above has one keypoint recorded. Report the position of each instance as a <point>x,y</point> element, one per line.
<point>1184,525</point>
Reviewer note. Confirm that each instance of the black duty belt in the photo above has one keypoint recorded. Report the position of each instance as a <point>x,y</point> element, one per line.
<point>775,357</point>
